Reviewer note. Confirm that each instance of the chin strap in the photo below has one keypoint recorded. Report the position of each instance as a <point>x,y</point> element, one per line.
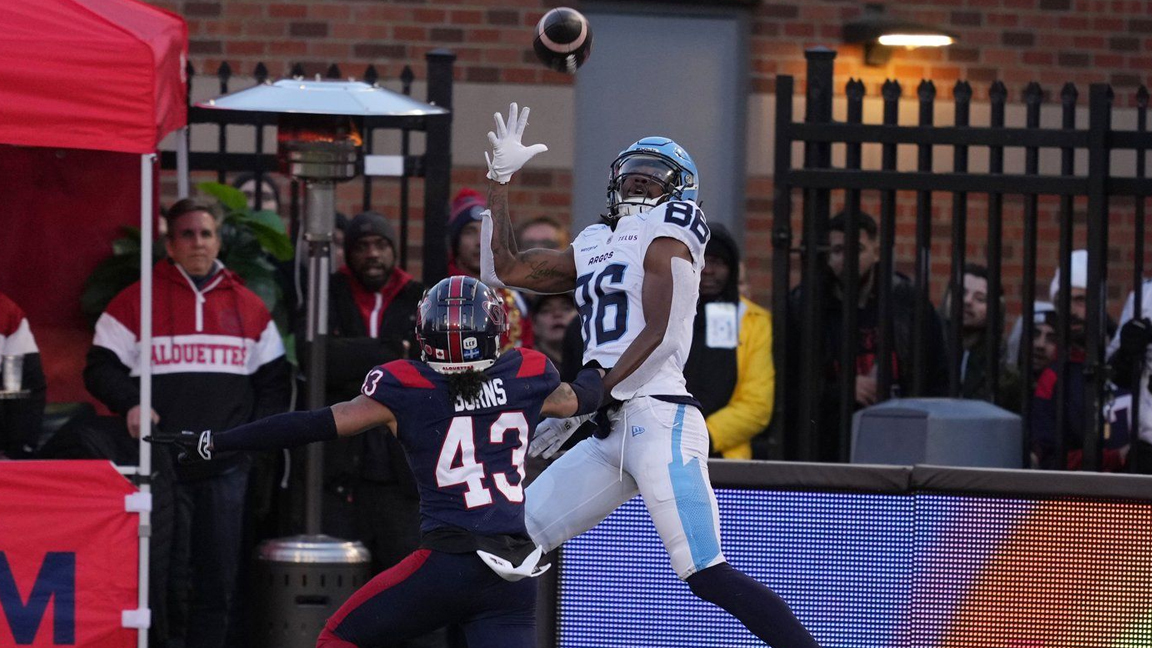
<point>680,315</point>
<point>487,263</point>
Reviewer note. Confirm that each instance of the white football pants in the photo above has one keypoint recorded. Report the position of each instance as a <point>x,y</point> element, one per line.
<point>657,449</point>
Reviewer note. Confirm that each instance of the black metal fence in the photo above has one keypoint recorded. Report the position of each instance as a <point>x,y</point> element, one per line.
<point>434,165</point>
<point>799,313</point>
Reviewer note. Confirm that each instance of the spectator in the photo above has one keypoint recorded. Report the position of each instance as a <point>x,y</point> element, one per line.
<point>464,259</point>
<point>729,368</point>
<point>218,361</point>
<point>369,491</point>
<point>974,380</point>
<point>1044,401</point>
<point>551,315</point>
<point>1128,355</point>
<point>869,329</point>
<point>1078,300</point>
<point>20,418</point>
<point>542,232</point>
<point>1044,340</point>
<point>1043,345</point>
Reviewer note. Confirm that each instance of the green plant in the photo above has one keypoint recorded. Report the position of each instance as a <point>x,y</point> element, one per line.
<point>250,243</point>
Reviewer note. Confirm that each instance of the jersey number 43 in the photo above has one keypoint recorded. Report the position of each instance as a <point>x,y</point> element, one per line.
<point>457,462</point>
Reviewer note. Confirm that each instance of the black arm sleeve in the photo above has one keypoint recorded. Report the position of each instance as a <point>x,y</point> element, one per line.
<point>273,388</point>
<point>572,358</point>
<point>589,389</point>
<point>110,381</point>
<point>286,430</point>
<point>22,419</point>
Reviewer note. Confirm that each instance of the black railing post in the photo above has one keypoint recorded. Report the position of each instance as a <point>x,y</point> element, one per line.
<point>998,95</point>
<point>849,335</point>
<point>1068,97</point>
<point>926,92</point>
<point>437,166</point>
<point>818,109</point>
<point>891,93</point>
<point>261,74</point>
<point>406,78</point>
<point>223,73</point>
<point>781,264</point>
<point>963,96</point>
<point>1033,97</point>
<point>1095,376</point>
<point>1138,277</point>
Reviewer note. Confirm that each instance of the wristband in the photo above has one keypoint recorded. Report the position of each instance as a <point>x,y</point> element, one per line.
<point>589,389</point>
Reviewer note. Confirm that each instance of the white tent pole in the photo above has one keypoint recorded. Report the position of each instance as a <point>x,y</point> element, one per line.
<point>183,181</point>
<point>146,210</point>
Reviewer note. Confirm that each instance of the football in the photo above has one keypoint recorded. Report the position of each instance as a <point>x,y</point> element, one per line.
<point>563,39</point>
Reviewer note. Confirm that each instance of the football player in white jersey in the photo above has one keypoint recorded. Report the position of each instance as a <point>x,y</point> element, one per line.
<point>636,279</point>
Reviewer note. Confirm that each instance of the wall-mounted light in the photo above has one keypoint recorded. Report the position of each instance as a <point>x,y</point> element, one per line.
<point>879,33</point>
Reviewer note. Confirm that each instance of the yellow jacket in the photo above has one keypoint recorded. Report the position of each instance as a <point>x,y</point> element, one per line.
<point>750,408</point>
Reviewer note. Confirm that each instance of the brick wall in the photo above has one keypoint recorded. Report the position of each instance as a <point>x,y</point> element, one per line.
<point>1016,41</point>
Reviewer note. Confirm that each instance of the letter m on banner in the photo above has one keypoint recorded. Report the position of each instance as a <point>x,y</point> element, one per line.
<point>57,582</point>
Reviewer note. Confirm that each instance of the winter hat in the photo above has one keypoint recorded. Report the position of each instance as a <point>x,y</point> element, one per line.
<point>466,208</point>
<point>367,223</point>
<point>1079,274</point>
<point>723,245</point>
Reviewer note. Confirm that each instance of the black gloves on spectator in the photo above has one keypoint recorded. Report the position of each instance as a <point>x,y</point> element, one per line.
<point>1135,336</point>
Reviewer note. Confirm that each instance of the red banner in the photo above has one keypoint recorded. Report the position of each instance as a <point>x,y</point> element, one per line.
<point>68,555</point>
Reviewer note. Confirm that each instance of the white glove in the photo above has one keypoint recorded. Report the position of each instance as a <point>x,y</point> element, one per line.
<point>508,154</point>
<point>552,433</point>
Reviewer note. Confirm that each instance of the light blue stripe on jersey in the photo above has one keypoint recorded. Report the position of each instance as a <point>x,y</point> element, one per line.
<point>692,501</point>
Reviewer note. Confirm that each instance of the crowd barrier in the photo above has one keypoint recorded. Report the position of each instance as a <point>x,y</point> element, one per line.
<point>883,557</point>
<point>68,554</point>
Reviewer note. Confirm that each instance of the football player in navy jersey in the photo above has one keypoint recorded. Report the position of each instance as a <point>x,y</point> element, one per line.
<point>465,417</point>
<point>636,279</point>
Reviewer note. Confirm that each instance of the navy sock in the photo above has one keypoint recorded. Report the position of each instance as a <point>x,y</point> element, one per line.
<point>764,613</point>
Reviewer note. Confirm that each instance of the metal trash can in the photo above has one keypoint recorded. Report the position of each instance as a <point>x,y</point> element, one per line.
<point>300,581</point>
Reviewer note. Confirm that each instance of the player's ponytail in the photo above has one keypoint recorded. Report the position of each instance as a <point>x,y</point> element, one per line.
<point>465,384</point>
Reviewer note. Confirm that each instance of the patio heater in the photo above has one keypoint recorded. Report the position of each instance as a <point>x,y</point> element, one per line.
<point>303,579</point>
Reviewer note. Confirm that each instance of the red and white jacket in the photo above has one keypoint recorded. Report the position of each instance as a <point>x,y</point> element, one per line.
<point>217,359</point>
<point>22,418</point>
<point>15,336</point>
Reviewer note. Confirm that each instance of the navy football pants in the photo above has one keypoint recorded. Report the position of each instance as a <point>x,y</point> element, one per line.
<point>431,589</point>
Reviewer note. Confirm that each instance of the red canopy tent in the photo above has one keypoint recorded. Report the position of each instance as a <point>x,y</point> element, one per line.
<point>91,84</point>
<point>88,89</point>
<point>91,74</point>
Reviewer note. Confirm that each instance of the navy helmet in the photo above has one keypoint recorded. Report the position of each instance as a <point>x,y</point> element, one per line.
<point>657,160</point>
<point>458,325</point>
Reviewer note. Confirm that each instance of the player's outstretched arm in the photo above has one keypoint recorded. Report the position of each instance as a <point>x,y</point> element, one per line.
<point>581,396</point>
<point>667,298</point>
<point>286,430</point>
<point>571,405</point>
<point>503,264</point>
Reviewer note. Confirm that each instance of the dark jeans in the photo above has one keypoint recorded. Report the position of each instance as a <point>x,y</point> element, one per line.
<point>206,557</point>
